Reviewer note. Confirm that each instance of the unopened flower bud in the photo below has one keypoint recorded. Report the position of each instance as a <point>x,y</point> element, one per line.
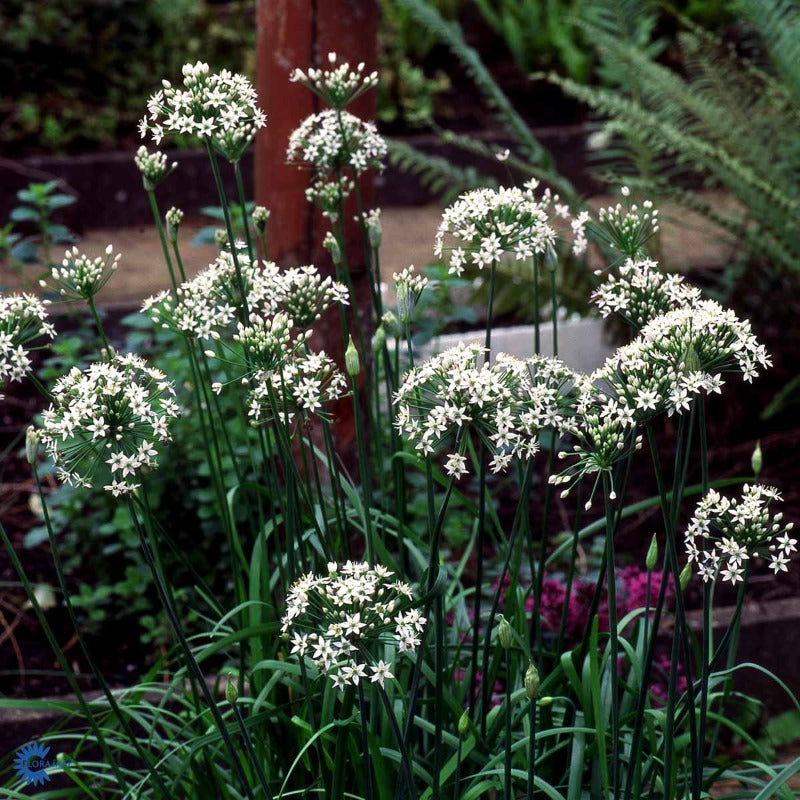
<point>379,339</point>
<point>260,219</point>
<point>332,246</point>
<point>221,238</point>
<point>652,555</point>
<point>532,682</point>
<point>463,724</point>
<point>374,230</point>
<point>685,576</point>
<point>32,437</point>
<point>545,701</point>
<point>174,218</point>
<point>504,633</point>
<point>403,303</point>
<point>389,321</point>
<point>757,459</point>
<point>351,360</point>
<point>231,692</point>
<point>551,258</point>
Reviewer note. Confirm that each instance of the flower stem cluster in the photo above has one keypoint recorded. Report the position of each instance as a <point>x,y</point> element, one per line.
<point>341,619</point>
<point>724,533</point>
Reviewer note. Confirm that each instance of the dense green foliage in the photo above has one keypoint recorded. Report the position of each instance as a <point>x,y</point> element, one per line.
<point>76,73</point>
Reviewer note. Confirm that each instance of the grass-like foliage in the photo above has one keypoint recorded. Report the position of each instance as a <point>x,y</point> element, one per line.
<point>397,613</point>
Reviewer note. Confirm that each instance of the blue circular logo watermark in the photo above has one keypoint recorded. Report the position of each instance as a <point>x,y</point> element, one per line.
<point>31,763</point>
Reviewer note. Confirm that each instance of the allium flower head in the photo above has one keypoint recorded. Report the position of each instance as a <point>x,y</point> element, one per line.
<point>307,295</point>
<point>23,320</point>
<point>342,619</point>
<point>408,288</point>
<point>331,141</point>
<point>210,302</point>
<point>220,108</point>
<point>642,292</point>
<point>724,533</point>
<point>627,227</point>
<point>486,223</point>
<point>105,422</point>
<point>79,277</point>
<point>327,195</point>
<point>338,85</point>
<point>153,167</point>
<point>605,432</point>
<point>504,404</point>
<point>303,385</point>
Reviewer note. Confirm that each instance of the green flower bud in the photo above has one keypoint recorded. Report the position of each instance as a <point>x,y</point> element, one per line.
<point>545,701</point>
<point>32,437</point>
<point>174,218</point>
<point>463,724</point>
<point>231,692</point>
<point>351,360</point>
<point>389,321</point>
<point>504,633</point>
<point>374,230</point>
<point>379,339</point>
<point>652,555</point>
<point>685,576</point>
<point>260,218</point>
<point>532,682</point>
<point>332,246</point>
<point>221,238</point>
<point>757,459</point>
<point>551,258</point>
<point>404,303</point>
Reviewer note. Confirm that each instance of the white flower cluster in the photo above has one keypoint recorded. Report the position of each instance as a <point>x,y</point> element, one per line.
<point>504,404</point>
<point>153,167</point>
<point>486,223</point>
<point>626,227</point>
<point>23,320</point>
<point>340,619</point>
<point>302,385</point>
<point>642,291</point>
<point>724,533</point>
<point>218,107</point>
<point>267,342</point>
<point>339,85</point>
<point>105,422</point>
<point>305,295</point>
<point>79,277</point>
<point>408,289</point>
<point>208,303</point>
<point>605,431</point>
<point>332,140</point>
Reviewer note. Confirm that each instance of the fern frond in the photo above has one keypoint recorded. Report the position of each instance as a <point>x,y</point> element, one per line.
<point>450,34</point>
<point>778,22</point>
<point>434,172</point>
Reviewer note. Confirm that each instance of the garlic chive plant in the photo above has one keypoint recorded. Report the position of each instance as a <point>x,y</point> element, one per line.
<point>401,614</point>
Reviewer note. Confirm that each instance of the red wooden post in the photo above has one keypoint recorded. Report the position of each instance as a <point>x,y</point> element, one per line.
<point>300,33</point>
